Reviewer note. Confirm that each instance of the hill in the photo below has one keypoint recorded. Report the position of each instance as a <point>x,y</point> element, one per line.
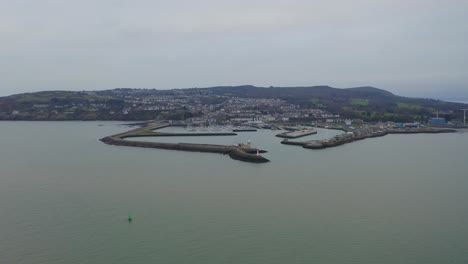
<point>367,103</point>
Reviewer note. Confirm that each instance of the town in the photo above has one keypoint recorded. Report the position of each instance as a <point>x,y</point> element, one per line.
<point>205,107</point>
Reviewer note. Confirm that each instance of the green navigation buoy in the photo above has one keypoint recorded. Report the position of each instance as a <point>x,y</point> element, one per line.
<point>129,218</point>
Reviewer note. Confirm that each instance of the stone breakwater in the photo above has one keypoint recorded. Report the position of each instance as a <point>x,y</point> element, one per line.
<point>239,152</point>
<point>297,133</point>
<point>182,134</point>
<point>360,135</point>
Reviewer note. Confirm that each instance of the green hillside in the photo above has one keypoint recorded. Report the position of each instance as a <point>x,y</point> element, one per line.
<point>367,103</point>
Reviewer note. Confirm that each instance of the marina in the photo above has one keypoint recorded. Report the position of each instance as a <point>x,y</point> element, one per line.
<point>242,152</point>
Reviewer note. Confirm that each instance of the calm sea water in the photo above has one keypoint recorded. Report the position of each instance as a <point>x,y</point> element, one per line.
<point>65,198</point>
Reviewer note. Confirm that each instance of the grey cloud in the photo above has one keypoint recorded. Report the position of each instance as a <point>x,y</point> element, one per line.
<point>408,47</point>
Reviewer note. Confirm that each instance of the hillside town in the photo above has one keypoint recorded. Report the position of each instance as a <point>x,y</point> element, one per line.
<point>204,107</point>
<point>198,109</point>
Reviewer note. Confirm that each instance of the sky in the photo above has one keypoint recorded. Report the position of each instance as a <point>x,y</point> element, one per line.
<point>414,48</point>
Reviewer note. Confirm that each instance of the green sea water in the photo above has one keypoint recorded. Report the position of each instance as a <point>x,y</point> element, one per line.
<point>65,197</point>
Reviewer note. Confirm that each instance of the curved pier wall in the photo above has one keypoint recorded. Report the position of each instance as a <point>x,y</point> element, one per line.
<point>344,139</point>
<point>234,152</point>
<point>243,156</point>
<point>180,135</point>
<point>174,146</point>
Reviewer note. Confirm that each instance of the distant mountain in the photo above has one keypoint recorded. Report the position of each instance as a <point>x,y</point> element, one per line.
<point>306,93</point>
<point>367,103</point>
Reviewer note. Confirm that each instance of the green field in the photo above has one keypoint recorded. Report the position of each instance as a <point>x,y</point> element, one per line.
<point>360,102</point>
<point>317,102</point>
<point>45,97</point>
<point>409,106</point>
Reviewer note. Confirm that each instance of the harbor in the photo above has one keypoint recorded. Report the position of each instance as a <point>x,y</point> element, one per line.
<point>242,149</point>
<point>242,152</point>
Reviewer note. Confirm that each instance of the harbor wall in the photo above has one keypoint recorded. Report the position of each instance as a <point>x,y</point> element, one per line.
<point>361,135</point>
<point>297,133</point>
<point>181,134</point>
<point>234,152</point>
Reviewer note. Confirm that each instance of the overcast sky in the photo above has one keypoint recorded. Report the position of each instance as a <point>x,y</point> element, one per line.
<point>409,47</point>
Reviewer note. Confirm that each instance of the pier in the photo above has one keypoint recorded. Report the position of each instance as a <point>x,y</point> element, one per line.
<point>362,134</point>
<point>244,130</point>
<point>237,152</point>
<point>297,133</point>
